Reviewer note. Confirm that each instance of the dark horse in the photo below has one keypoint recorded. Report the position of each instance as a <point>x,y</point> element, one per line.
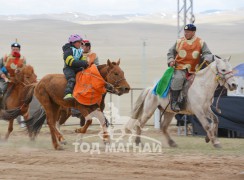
<point>14,102</point>
<point>50,91</point>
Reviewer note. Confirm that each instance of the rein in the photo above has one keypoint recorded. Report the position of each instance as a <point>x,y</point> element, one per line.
<point>221,76</point>
<point>110,87</point>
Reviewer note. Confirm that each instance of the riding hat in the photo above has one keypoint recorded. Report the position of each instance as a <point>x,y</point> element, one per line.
<point>74,37</point>
<point>16,45</point>
<point>86,42</point>
<point>190,27</point>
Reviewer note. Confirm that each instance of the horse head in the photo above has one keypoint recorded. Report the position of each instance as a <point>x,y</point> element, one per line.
<point>225,74</point>
<point>26,75</point>
<point>115,76</point>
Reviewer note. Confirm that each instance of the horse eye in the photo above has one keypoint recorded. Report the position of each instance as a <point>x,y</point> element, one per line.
<point>116,74</point>
<point>223,70</point>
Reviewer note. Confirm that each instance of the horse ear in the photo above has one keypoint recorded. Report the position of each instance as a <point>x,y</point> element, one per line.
<point>109,63</point>
<point>228,59</point>
<point>216,59</point>
<point>118,62</point>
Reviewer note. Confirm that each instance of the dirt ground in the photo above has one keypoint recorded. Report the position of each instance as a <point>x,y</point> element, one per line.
<point>193,158</point>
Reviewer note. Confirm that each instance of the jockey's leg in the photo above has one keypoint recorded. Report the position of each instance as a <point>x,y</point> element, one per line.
<point>177,82</point>
<point>174,100</point>
<point>70,77</point>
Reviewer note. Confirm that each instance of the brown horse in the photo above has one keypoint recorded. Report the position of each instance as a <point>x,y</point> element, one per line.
<point>50,91</point>
<point>14,102</point>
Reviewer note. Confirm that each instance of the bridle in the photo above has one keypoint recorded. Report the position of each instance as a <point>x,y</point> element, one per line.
<point>111,87</point>
<point>116,81</point>
<point>221,76</point>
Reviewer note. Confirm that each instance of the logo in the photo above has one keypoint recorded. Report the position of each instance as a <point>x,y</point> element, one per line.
<point>118,141</point>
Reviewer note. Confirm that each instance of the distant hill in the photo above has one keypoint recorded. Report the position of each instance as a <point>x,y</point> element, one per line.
<point>210,16</point>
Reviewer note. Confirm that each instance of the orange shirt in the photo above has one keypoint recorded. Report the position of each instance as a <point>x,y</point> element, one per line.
<point>13,62</point>
<point>188,53</point>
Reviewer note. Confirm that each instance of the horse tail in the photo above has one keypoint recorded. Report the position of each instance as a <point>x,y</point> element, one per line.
<point>137,110</point>
<point>35,122</point>
<point>10,114</point>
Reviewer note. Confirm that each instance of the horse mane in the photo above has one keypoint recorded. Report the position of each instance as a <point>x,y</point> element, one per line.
<point>101,66</point>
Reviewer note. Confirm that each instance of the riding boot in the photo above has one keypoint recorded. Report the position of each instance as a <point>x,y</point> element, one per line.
<point>174,100</point>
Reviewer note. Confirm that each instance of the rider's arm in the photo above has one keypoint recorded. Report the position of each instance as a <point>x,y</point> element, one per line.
<point>70,61</point>
<point>206,53</point>
<point>96,61</point>
<point>171,54</point>
<point>1,65</point>
<point>2,75</point>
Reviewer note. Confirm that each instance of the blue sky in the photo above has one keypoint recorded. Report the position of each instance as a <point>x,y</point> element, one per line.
<point>113,7</point>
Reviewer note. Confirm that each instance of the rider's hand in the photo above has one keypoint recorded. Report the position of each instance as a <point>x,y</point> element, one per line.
<point>16,71</point>
<point>172,63</point>
<point>6,79</point>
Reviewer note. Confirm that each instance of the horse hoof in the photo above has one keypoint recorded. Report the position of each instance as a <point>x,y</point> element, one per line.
<point>59,148</point>
<point>63,142</point>
<point>217,145</point>
<point>77,131</point>
<point>106,142</point>
<point>127,131</point>
<point>207,139</point>
<point>172,144</point>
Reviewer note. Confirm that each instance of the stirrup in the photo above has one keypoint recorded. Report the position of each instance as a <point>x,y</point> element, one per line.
<point>175,107</point>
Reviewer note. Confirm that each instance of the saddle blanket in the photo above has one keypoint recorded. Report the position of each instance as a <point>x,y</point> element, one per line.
<point>89,87</point>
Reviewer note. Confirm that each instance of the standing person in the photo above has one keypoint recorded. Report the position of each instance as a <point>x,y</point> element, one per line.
<point>185,55</point>
<point>88,54</point>
<point>72,54</point>
<point>10,64</point>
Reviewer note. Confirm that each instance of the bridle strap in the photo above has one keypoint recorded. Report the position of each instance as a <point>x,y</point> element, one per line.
<point>116,82</point>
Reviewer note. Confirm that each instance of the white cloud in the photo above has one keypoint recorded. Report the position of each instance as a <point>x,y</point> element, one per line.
<point>95,7</point>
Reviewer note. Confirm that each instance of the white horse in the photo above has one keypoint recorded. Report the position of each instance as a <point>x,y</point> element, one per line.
<point>198,102</point>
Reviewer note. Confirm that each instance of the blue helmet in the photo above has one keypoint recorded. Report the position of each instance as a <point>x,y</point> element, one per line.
<point>190,27</point>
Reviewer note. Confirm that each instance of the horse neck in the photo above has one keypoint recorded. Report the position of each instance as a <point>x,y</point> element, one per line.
<point>205,80</point>
<point>103,70</point>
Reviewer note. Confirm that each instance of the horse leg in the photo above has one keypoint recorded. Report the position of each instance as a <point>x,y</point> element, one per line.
<point>138,135</point>
<point>165,122</point>
<point>100,116</point>
<point>148,111</point>
<point>150,105</point>
<point>207,126</point>
<point>130,125</point>
<point>214,128</point>
<point>10,129</point>
<point>84,128</point>
<point>52,112</point>
<point>64,114</point>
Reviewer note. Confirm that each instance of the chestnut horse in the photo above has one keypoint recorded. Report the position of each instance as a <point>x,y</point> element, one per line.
<point>50,91</point>
<point>14,102</point>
